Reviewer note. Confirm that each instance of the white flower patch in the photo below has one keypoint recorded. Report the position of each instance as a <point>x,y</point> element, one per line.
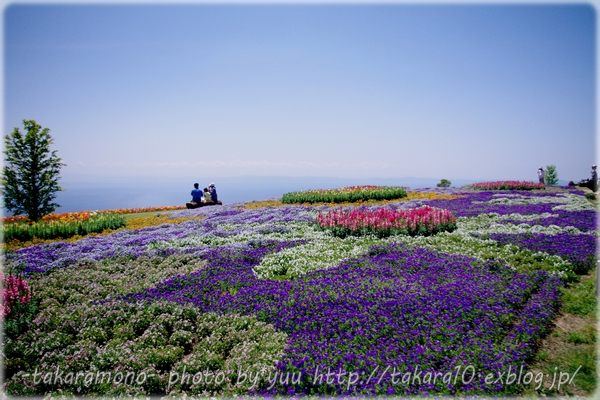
<point>471,224</point>
<point>524,228</point>
<point>490,223</point>
<point>576,203</point>
<point>567,201</point>
<point>322,252</point>
<point>516,228</point>
<point>519,199</point>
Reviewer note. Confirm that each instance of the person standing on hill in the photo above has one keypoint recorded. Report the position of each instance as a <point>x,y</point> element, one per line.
<point>213,192</point>
<point>594,180</point>
<point>541,174</point>
<point>197,194</point>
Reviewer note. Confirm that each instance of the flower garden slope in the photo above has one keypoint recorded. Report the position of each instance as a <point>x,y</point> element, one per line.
<point>481,213</point>
<point>400,305</point>
<point>397,306</point>
<point>75,333</point>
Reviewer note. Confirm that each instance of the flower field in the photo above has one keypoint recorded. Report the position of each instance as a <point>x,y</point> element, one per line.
<point>347,194</point>
<point>84,215</point>
<point>507,185</point>
<point>82,224</point>
<point>263,299</point>
<point>384,222</point>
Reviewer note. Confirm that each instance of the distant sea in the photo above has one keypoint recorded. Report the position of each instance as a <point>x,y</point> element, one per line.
<point>87,194</point>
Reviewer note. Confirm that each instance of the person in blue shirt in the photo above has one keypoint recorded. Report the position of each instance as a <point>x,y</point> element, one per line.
<point>197,194</point>
<point>213,191</point>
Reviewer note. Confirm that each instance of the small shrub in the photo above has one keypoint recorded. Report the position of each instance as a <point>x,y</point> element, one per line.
<point>444,183</point>
<point>551,176</point>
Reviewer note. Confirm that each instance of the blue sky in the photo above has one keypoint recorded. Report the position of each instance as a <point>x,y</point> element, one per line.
<point>480,91</point>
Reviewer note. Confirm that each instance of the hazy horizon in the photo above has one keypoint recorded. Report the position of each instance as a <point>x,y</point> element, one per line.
<point>127,192</point>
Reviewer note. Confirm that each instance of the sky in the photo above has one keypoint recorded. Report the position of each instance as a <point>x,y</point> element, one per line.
<point>459,91</point>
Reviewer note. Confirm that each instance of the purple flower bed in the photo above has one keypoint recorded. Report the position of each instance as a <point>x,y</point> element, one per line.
<point>466,206</point>
<point>411,309</point>
<point>228,269</point>
<point>127,243</point>
<point>579,250</point>
<point>584,220</point>
<point>131,243</point>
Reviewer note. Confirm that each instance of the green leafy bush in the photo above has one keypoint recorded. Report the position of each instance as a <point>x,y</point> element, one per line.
<point>348,194</point>
<point>551,176</point>
<point>63,229</point>
<point>444,183</point>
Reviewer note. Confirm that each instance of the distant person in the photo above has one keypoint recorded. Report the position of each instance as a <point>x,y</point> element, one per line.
<point>541,174</point>
<point>213,192</point>
<point>207,195</point>
<point>197,194</point>
<point>594,180</point>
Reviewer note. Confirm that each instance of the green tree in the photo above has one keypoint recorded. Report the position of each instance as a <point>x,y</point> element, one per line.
<point>31,172</point>
<point>444,183</point>
<point>551,176</point>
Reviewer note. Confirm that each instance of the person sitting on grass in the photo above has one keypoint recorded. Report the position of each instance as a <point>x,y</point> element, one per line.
<point>213,192</point>
<point>197,194</point>
<point>207,195</point>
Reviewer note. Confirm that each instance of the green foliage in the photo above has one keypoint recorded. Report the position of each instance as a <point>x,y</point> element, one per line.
<point>591,196</point>
<point>551,176</point>
<point>444,183</point>
<point>345,195</point>
<point>20,318</point>
<point>31,172</point>
<point>174,339</point>
<point>572,346</point>
<point>580,298</point>
<point>89,280</point>
<point>54,229</point>
<point>587,337</point>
